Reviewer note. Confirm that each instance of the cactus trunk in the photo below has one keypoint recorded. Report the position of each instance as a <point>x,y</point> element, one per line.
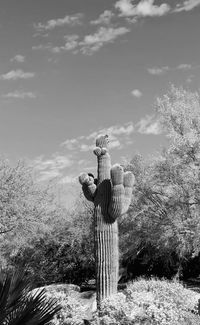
<point>106,256</point>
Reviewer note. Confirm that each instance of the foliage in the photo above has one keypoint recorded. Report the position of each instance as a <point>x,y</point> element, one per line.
<point>72,311</point>
<point>152,302</point>
<point>25,208</point>
<point>164,216</point>
<point>160,233</point>
<point>35,229</point>
<point>155,302</point>
<point>19,306</point>
<point>179,112</point>
<point>65,254</point>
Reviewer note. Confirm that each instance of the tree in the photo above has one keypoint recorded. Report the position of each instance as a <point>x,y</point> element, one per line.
<point>164,216</point>
<point>179,114</point>
<point>65,253</point>
<point>25,208</point>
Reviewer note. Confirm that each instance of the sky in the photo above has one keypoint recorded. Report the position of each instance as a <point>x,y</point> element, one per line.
<point>73,69</point>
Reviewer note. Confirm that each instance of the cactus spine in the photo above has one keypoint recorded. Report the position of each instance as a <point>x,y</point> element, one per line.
<point>111,193</point>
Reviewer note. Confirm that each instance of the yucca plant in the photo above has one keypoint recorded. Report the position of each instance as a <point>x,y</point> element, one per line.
<point>20,306</point>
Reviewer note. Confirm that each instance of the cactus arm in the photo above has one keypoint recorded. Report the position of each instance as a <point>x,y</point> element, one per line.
<point>128,187</point>
<point>117,192</point>
<point>103,158</point>
<point>88,186</point>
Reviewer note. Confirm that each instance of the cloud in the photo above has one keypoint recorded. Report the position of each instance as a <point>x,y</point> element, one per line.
<point>164,69</point>
<point>187,5</point>
<point>136,93</point>
<point>18,58</point>
<point>184,66</point>
<point>114,130</point>
<point>71,41</point>
<point>46,175</point>
<point>17,74</point>
<point>56,162</point>
<point>73,157</point>
<point>104,18</point>
<point>51,168</point>
<point>90,43</point>
<point>71,44</point>
<point>42,47</point>
<point>94,42</point>
<point>145,8</point>
<point>59,22</point>
<point>190,79</point>
<point>85,147</point>
<point>69,179</point>
<point>148,125</point>
<point>158,71</point>
<point>19,95</point>
<point>119,136</point>
<point>70,144</point>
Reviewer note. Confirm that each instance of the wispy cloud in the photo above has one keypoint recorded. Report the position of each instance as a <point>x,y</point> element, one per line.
<point>136,93</point>
<point>118,136</point>
<point>17,74</point>
<point>56,162</point>
<point>51,168</point>
<point>18,58</point>
<point>69,179</point>
<point>190,79</point>
<point>72,157</point>
<point>19,95</point>
<point>71,144</point>
<point>89,44</point>
<point>104,18</point>
<point>184,66</point>
<point>71,20</point>
<point>66,165</point>
<point>164,69</point>
<point>42,47</point>
<point>144,8</point>
<point>148,125</point>
<point>187,5</point>
<point>104,35</point>
<point>158,70</point>
<point>71,44</point>
<point>113,131</point>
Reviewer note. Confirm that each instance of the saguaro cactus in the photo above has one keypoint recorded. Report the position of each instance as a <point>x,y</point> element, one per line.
<point>111,193</point>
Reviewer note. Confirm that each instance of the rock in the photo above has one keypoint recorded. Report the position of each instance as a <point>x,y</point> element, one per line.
<point>64,287</point>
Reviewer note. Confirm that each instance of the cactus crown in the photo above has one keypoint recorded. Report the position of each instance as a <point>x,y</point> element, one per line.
<point>120,188</point>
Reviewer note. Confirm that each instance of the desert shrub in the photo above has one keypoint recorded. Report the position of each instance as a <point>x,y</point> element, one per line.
<point>52,261</point>
<point>72,311</point>
<point>155,302</point>
<point>147,302</point>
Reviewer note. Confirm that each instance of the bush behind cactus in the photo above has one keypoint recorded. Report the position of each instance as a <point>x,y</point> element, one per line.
<point>149,302</point>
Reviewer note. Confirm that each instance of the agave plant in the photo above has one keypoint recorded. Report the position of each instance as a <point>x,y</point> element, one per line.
<point>20,306</point>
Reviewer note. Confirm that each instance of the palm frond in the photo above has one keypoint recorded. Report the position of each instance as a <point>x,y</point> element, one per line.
<point>19,306</point>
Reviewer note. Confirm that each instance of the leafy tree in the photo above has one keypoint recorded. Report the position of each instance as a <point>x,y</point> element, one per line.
<point>179,113</point>
<point>25,208</point>
<point>65,254</point>
<point>163,224</point>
